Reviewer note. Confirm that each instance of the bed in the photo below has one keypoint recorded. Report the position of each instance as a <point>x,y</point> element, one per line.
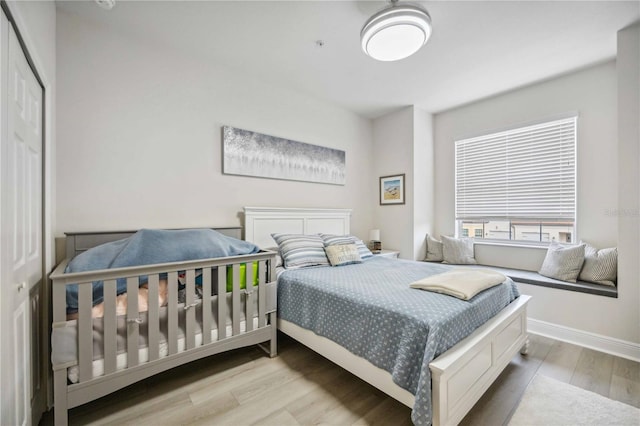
<point>458,376</point>
<point>204,307</point>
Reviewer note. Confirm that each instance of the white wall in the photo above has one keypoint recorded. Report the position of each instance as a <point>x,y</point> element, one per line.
<point>403,143</point>
<point>592,93</point>
<point>423,171</point>
<point>393,154</point>
<point>139,131</point>
<point>628,67</point>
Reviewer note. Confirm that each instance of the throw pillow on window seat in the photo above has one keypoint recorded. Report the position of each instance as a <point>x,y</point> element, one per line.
<point>458,251</point>
<point>563,262</point>
<point>434,250</point>
<point>600,266</point>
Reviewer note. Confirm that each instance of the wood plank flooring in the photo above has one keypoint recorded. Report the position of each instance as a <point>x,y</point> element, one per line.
<point>299,387</point>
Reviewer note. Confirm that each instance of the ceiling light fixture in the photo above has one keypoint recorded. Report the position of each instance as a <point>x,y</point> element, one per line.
<point>106,4</point>
<point>396,32</point>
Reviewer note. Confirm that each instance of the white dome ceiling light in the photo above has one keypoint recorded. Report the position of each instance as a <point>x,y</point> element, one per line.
<point>106,4</point>
<point>396,32</point>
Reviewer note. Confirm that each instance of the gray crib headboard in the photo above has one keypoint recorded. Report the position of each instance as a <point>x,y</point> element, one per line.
<point>77,242</point>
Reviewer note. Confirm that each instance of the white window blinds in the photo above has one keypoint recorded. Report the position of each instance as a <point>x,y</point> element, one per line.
<point>524,173</point>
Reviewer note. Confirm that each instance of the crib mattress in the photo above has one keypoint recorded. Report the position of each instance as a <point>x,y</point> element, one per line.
<point>64,350</point>
<point>143,353</point>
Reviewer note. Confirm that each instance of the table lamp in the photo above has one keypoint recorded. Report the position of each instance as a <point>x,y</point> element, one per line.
<point>374,241</point>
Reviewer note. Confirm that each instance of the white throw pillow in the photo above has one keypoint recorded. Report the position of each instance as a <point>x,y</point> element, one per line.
<point>344,254</point>
<point>563,262</point>
<point>434,250</point>
<point>600,266</point>
<point>458,251</point>
<point>332,240</point>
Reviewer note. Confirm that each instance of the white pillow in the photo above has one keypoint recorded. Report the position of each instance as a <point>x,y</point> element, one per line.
<point>563,262</point>
<point>343,254</point>
<point>600,266</point>
<point>458,251</point>
<point>434,250</point>
<point>332,240</point>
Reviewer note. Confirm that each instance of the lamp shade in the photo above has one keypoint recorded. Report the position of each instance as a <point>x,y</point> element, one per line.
<point>396,32</point>
<point>374,235</point>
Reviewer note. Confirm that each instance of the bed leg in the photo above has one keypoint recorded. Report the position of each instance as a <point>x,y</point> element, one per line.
<point>273,345</point>
<point>525,348</point>
<point>60,397</point>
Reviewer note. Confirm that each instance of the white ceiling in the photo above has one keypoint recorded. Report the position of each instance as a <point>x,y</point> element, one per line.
<point>478,48</point>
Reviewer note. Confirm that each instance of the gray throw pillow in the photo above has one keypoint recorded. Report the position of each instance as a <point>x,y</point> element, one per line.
<point>458,251</point>
<point>563,262</point>
<point>600,266</point>
<point>434,250</point>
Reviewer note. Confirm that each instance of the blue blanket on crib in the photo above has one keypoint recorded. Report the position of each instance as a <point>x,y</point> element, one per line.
<point>148,247</point>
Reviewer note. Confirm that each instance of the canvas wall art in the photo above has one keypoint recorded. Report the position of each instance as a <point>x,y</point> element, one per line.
<point>250,153</point>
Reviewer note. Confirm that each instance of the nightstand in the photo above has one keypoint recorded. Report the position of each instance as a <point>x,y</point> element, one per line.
<point>388,253</point>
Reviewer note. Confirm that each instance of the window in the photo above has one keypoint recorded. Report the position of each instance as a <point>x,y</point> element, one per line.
<point>519,184</point>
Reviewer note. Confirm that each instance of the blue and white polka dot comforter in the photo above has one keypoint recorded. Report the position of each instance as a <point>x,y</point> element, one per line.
<point>369,309</point>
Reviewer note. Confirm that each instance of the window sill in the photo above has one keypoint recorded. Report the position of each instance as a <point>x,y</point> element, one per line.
<point>513,244</point>
<point>533,278</point>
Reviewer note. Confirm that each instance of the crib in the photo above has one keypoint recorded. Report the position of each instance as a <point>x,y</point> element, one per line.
<point>94,356</point>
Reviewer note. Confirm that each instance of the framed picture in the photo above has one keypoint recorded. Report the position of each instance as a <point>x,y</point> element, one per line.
<point>392,189</point>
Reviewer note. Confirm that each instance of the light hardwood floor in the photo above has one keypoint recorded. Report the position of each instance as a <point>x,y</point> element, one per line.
<point>299,387</point>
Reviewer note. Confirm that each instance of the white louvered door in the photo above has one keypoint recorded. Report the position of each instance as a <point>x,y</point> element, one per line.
<point>21,202</point>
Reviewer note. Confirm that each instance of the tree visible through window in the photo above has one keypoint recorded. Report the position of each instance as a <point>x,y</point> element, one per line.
<point>519,184</point>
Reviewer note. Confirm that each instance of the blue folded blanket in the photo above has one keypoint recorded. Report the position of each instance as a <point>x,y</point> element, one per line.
<point>148,247</point>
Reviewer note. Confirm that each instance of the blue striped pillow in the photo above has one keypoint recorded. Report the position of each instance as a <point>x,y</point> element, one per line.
<point>300,251</point>
<point>333,240</point>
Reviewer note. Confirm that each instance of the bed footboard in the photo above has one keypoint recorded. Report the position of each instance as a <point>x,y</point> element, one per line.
<point>462,374</point>
<point>215,311</point>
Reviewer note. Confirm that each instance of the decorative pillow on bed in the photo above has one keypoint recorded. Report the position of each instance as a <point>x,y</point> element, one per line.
<point>362,249</point>
<point>434,250</point>
<point>333,240</point>
<point>337,240</point>
<point>343,254</point>
<point>563,262</point>
<point>600,266</point>
<point>458,251</point>
<point>300,251</point>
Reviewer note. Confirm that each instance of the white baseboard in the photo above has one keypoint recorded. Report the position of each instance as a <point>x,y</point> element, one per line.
<point>598,342</point>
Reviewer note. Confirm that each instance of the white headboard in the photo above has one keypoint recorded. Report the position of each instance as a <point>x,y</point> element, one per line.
<point>261,222</point>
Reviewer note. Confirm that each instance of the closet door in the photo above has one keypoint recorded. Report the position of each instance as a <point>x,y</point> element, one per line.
<point>21,252</point>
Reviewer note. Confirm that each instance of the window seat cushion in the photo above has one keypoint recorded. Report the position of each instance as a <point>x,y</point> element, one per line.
<point>533,278</point>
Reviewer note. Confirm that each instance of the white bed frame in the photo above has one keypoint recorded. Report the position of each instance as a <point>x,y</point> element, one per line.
<point>459,376</point>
